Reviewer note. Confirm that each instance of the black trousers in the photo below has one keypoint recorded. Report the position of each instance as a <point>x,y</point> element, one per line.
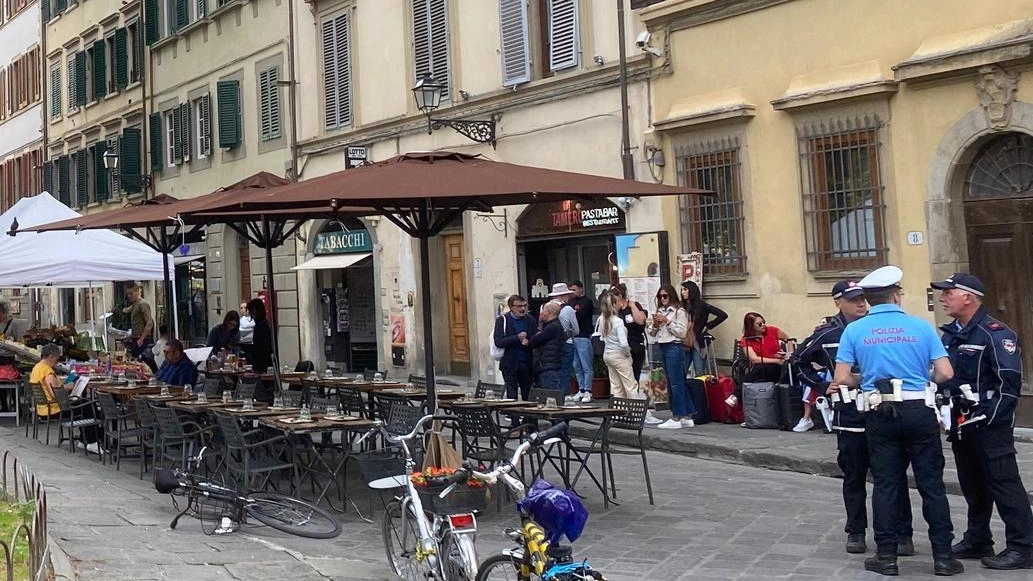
<point>518,377</point>
<point>989,475</point>
<point>912,434</point>
<point>638,358</point>
<point>853,461</point>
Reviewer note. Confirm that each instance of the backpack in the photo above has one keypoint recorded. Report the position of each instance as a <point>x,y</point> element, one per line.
<point>496,352</point>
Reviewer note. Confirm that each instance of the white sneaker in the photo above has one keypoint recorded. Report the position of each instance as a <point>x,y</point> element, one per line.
<point>573,398</point>
<point>651,419</point>
<point>93,447</point>
<point>803,425</point>
<point>671,424</point>
<point>586,396</point>
<point>687,423</point>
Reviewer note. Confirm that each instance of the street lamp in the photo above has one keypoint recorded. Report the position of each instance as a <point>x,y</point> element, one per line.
<point>110,160</point>
<point>427,92</point>
<point>130,182</point>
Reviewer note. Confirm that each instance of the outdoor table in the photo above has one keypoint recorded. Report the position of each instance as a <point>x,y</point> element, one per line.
<point>124,392</point>
<point>483,403</point>
<point>421,394</point>
<point>292,426</point>
<point>191,405</point>
<point>157,398</point>
<point>569,453</point>
<point>260,411</point>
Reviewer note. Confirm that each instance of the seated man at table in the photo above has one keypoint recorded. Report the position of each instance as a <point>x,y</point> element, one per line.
<point>178,368</point>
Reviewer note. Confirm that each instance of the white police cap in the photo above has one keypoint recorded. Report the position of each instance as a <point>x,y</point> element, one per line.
<point>882,278</point>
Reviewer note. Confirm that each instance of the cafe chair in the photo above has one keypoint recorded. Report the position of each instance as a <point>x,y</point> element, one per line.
<point>540,394</point>
<point>117,435</point>
<point>178,439</point>
<point>353,402</point>
<point>76,417</point>
<point>213,387</point>
<point>291,399</point>
<point>39,398</point>
<point>322,404</point>
<point>418,381</point>
<point>248,455</point>
<point>631,418</point>
<point>484,388</point>
<point>149,425</point>
<point>304,367</point>
<point>370,374</point>
<point>386,402</point>
<point>245,390</point>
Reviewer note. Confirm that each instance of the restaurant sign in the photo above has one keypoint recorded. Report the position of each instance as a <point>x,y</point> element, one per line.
<point>570,217</point>
<point>341,242</point>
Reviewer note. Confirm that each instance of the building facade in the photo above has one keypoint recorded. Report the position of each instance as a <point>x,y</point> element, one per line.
<point>841,136</point>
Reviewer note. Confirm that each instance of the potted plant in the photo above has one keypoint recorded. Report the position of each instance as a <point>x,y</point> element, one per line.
<point>600,380</point>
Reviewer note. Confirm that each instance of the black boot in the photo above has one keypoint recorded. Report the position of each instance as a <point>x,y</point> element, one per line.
<point>905,547</point>
<point>1009,559</point>
<point>967,550</point>
<point>882,565</point>
<point>947,565</point>
<point>855,543</point>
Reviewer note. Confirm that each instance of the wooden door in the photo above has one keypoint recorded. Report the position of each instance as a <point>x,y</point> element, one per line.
<point>459,329</point>
<point>245,273</point>
<point>1000,254</point>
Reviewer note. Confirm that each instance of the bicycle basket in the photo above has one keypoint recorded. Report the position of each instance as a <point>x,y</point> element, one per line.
<point>462,499</point>
<point>377,464</point>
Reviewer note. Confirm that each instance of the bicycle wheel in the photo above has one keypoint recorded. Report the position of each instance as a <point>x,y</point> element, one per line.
<point>400,544</point>
<point>453,558</point>
<point>292,516</point>
<point>501,568</point>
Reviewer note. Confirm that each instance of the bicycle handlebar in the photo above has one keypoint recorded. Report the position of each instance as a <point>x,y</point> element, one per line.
<point>419,425</point>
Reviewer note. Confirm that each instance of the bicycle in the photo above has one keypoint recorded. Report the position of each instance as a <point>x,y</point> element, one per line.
<point>224,508</point>
<point>534,558</point>
<point>416,537</point>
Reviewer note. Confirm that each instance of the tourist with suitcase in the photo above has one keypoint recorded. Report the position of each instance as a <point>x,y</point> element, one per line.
<point>703,317</point>
<point>668,326</point>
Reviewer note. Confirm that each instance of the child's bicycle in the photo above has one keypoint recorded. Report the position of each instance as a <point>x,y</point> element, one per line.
<point>534,558</point>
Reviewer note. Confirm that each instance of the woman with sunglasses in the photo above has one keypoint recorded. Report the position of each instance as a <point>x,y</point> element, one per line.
<point>668,325</point>
<point>763,346</point>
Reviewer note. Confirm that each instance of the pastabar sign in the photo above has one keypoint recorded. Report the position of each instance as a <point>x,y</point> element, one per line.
<point>570,217</point>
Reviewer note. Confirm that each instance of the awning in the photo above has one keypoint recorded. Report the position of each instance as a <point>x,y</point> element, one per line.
<point>189,258</point>
<point>332,261</point>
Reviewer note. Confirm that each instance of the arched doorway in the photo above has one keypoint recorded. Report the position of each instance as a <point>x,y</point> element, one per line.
<point>998,203</point>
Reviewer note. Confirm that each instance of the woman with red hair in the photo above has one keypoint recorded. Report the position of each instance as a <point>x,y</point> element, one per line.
<point>763,346</point>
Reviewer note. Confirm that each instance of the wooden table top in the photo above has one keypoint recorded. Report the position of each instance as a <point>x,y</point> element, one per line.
<point>318,424</point>
<point>157,397</point>
<point>125,390</point>
<point>564,412</point>
<point>346,383</point>
<point>483,403</point>
<point>421,394</point>
<point>260,411</point>
<point>192,405</point>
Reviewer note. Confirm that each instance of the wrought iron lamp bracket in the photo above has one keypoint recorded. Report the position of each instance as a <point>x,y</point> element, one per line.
<point>479,130</point>
<point>499,221</point>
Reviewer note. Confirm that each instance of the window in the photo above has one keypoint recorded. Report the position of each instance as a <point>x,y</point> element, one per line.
<point>269,103</point>
<point>557,38</point>
<point>96,71</point>
<point>203,126</point>
<point>55,90</point>
<point>228,95</point>
<point>129,161</point>
<point>337,75</point>
<point>563,41</point>
<point>109,58</point>
<point>713,225</point>
<point>134,51</point>
<point>72,99</point>
<point>20,84</point>
<point>154,137</point>
<point>3,94</point>
<point>171,120</point>
<point>430,41</point>
<point>842,194</point>
<point>19,177</point>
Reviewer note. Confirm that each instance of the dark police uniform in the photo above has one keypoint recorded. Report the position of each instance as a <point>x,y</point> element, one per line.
<point>816,358</point>
<point>985,354</point>
<point>890,344</point>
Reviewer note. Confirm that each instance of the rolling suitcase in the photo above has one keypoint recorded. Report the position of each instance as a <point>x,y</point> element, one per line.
<point>698,393</point>
<point>719,391</point>
<point>790,405</point>
<point>760,406</point>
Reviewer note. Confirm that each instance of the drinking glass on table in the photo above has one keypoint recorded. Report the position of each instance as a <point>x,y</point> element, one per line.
<point>550,403</point>
<point>165,391</point>
<point>249,404</point>
<point>378,378</point>
<point>188,389</point>
<point>227,396</point>
<point>202,397</point>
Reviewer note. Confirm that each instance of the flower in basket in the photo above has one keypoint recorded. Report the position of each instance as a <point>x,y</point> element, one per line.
<point>420,479</point>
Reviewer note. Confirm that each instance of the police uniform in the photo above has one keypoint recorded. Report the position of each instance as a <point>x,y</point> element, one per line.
<point>895,349</point>
<point>815,361</point>
<point>986,357</point>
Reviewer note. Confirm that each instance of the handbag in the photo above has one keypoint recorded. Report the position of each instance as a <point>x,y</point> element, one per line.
<point>598,346</point>
<point>496,352</point>
<point>656,386</point>
<point>689,340</point>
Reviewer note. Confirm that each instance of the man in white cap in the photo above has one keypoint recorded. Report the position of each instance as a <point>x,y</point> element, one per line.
<point>894,351</point>
<point>561,295</point>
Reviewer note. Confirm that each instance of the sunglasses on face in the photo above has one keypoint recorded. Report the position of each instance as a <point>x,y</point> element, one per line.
<point>664,296</point>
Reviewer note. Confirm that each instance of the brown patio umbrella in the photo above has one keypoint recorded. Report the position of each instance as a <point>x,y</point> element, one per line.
<point>422,192</point>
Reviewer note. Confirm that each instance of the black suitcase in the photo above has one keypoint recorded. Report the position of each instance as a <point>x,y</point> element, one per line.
<point>698,393</point>
<point>790,405</point>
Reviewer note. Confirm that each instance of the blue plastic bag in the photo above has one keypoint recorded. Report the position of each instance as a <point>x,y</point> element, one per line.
<point>559,512</point>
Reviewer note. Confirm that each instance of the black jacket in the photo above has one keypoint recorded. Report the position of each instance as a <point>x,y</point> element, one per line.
<point>707,323</point>
<point>261,352</point>
<point>507,329</point>
<point>820,350</point>
<point>583,308</point>
<point>548,346</point>
<point>986,355</point>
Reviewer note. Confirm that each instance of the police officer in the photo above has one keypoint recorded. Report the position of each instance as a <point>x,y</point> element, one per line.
<point>986,357</point>
<point>815,361</point>
<point>894,351</point>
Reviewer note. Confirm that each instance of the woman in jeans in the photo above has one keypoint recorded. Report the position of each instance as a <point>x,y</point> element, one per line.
<point>616,349</point>
<point>669,325</point>
<point>703,317</point>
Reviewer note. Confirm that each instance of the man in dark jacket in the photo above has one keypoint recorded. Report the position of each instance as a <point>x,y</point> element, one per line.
<point>549,344</point>
<point>512,333</point>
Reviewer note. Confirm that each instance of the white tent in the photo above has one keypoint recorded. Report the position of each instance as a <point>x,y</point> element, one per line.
<point>67,258</point>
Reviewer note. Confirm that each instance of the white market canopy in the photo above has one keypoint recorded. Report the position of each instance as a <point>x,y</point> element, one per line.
<point>68,258</point>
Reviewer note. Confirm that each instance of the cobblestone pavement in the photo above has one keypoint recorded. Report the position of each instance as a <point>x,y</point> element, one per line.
<point>712,521</point>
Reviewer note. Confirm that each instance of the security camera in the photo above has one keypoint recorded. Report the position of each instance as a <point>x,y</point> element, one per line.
<point>643,39</point>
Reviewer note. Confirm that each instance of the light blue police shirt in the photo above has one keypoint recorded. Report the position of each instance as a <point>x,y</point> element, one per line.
<point>890,344</point>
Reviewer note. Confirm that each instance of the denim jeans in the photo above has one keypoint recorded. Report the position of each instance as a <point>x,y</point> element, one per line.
<point>673,357</point>
<point>568,365</point>
<point>694,359</point>
<point>554,379</point>
<point>584,363</point>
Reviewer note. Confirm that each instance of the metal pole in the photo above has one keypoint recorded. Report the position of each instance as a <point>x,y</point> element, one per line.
<point>167,280</point>
<point>425,310</point>
<point>271,288</point>
<point>627,163</point>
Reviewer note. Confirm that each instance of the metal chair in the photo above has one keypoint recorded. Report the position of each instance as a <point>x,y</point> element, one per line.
<point>245,390</point>
<point>385,404</point>
<point>117,435</point>
<point>177,439</point>
<point>248,456</point>
<point>484,388</point>
<point>353,402</point>
<point>291,399</point>
<point>483,439</point>
<point>40,398</point>
<point>75,416</point>
<point>370,374</point>
<point>539,394</point>
<point>631,418</point>
<point>418,381</point>
<point>149,425</point>
<point>213,387</point>
<point>322,404</point>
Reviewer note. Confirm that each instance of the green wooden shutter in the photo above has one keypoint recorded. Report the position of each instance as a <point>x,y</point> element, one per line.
<point>48,177</point>
<point>60,5</point>
<point>269,104</point>
<point>186,123</point>
<point>82,188</point>
<point>154,133</point>
<point>64,181</point>
<point>55,91</point>
<point>121,58</point>
<point>80,78</point>
<point>44,6</point>
<point>100,73</point>
<point>177,133</point>
<point>182,14</point>
<point>129,160</point>
<point>206,125</point>
<point>150,15</point>
<point>228,97</point>
<point>202,8</point>
<point>100,173</point>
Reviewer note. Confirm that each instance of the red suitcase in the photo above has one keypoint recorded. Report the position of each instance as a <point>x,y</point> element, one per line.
<point>718,390</point>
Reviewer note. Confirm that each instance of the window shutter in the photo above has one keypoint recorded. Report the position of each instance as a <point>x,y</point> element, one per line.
<point>337,72</point>
<point>100,173</point>
<point>206,125</point>
<point>177,135</point>
<point>121,58</point>
<point>48,176</point>
<point>154,134</point>
<point>564,35</point>
<point>186,129</point>
<point>64,181</point>
<point>228,97</point>
<point>55,91</point>
<point>82,188</point>
<point>80,78</point>
<point>60,5</point>
<point>269,104</point>
<point>516,58</point>
<point>182,14</point>
<point>430,41</point>
<point>100,77</point>
<point>202,8</point>
<point>129,159</point>
<point>150,15</point>
<point>44,6</point>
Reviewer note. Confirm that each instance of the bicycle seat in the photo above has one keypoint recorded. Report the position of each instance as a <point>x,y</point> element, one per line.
<point>560,553</point>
